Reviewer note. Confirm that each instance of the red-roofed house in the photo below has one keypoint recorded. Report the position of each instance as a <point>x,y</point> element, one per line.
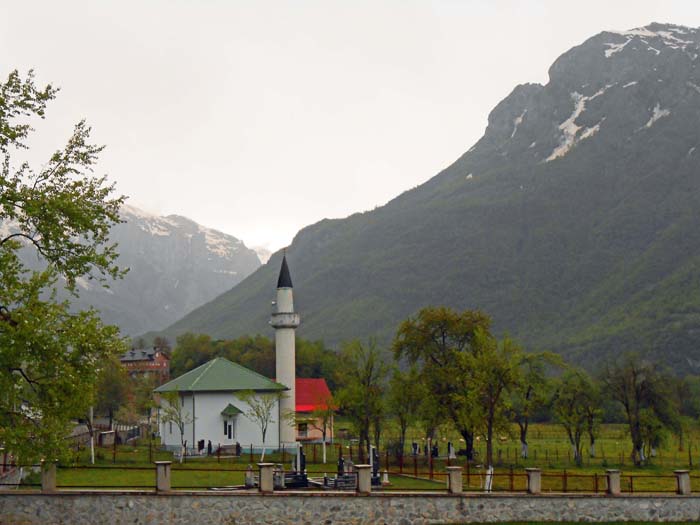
<point>312,394</point>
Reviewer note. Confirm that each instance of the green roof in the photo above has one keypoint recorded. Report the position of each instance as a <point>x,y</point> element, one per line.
<point>220,375</point>
<point>231,410</point>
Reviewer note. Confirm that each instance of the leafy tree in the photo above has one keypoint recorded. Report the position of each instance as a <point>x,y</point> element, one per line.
<point>173,411</point>
<point>49,356</point>
<point>191,350</point>
<point>493,372</point>
<point>162,344</point>
<point>322,418</point>
<point>594,414</point>
<point>643,391</point>
<point>531,393</point>
<point>574,401</point>
<point>405,395</point>
<point>112,388</point>
<point>435,339</point>
<point>260,410</point>
<point>361,375</point>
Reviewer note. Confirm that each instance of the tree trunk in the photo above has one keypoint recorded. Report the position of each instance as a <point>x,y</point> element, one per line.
<point>523,441</point>
<point>469,443</point>
<point>489,445</point>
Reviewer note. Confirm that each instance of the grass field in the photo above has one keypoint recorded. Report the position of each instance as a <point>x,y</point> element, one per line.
<point>131,466</point>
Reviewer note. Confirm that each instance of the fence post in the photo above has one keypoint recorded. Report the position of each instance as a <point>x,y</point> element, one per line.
<point>251,453</point>
<point>163,476</point>
<point>613,476</point>
<point>454,480</point>
<point>364,479</point>
<point>415,466</point>
<point>3,459</point>
<point>534,480</point>
<point>266,484</point>
<point>48,476</point>
<point>510,477</point>
<point>682,481</point>
<point>595,483</point>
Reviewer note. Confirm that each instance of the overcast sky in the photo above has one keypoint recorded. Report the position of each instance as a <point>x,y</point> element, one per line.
<point>259,118</point>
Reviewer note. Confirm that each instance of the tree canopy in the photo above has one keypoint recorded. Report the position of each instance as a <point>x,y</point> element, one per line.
<point>50,356</point>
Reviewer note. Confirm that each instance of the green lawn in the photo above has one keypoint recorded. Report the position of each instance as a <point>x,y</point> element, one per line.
<point>132,465</point>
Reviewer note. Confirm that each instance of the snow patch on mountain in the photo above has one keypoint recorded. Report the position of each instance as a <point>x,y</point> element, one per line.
<point>672,37</point>
<point>518,120</point>
<point>570,130</point>
<point>694,86</point>
<point>656,115</point>
<point>615,48</point>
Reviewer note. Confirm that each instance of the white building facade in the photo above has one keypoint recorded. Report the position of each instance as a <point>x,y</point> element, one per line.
<point>214,405</point>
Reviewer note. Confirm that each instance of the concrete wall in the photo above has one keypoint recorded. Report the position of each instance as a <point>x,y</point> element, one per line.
<point>136,508</point>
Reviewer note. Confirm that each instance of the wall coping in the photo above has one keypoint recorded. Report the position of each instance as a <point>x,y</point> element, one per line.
<point>346,494</point>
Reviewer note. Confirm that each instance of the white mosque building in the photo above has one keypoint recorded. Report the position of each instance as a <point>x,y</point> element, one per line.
<point>212,397</point>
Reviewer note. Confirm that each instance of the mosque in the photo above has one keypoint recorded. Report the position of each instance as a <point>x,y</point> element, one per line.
<point>216,398</point>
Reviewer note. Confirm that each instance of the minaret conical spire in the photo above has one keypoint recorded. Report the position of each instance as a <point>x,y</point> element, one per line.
<point>285,279</point>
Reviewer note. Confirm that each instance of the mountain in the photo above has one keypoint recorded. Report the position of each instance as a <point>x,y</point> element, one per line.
<point>175,266</point>
<point>574,221</point>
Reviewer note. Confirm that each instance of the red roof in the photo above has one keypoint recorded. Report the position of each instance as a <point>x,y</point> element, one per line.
<point>311,393</point>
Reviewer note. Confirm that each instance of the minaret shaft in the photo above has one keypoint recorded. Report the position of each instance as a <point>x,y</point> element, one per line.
<point>285,321</point>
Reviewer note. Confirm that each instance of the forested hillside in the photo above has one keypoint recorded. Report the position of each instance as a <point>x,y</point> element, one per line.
<point>574,222</point>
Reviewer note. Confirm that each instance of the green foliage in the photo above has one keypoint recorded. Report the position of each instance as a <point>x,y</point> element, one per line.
<point>438,341</point>
<point>49,355</point>
<point>173,411</point>
<point>361,376</point>
<point>260,410</point>
<point>493,372</point>
<point>531,393</point>
<point>646,395</point>
<point>257,353</point>
<point>112,387</point>
<point>576,403</point>
<point>404,399</point>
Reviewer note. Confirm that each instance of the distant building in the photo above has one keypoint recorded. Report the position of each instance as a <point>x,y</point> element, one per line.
<point>312,395</point>
<point>147,361</point>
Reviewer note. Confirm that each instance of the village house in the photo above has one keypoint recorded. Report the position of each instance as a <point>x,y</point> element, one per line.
<point>312,399</point>
<point>147,361</point>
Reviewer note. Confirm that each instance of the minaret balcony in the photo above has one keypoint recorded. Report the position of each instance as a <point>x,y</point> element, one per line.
<point>285,320</point>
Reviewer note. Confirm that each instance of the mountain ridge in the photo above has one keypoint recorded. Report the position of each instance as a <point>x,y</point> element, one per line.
<point>571,221</point>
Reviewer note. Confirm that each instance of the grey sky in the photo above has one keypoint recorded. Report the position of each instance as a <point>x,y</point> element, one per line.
<point>259,118</point>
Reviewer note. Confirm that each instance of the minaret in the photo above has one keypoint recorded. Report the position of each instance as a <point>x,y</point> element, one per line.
<point>285,321</point>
